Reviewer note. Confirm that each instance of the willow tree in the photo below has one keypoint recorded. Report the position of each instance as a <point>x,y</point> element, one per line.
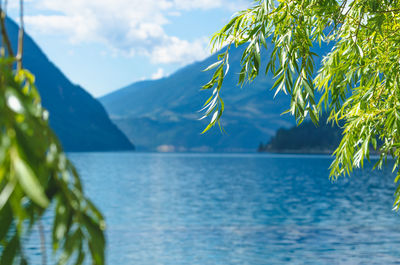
<point>35,174</point>
<point>358,81</point>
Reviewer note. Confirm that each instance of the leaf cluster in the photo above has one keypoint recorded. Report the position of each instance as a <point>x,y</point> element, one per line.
<point>35,175</point>
<point>357,82</point>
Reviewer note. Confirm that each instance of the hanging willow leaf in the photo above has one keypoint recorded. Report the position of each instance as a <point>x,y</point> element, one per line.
<point>357,82</point>
<point>34,172</point>
<point>29,181</point>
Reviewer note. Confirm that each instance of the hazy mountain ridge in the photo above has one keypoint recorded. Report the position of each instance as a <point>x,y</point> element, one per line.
<point>163,112</point>
<point>78,119</point>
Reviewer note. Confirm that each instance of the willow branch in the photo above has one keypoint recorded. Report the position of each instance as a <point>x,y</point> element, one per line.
<point>20,35</point>
<point>4,34</point>
<point>42,243</point>
<point>2,41</point>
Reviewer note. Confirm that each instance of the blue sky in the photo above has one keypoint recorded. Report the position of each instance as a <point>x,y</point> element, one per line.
<point>104,45</point>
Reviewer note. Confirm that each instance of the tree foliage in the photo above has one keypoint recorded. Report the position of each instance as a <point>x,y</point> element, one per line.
<point>35,174</point>
<point>305,138</point>
<point>357,83</point>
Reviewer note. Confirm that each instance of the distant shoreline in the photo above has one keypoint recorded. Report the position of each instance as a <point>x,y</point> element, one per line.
<point>299,151</point>
<point>308,152</point>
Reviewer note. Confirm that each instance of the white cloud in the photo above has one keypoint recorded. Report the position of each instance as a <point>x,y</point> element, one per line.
<point>56,24</point>
<point>195,4</point>
<point>127,27</point>
<point>176,50</point>
<point>233,5</point>
<point>159,74</point>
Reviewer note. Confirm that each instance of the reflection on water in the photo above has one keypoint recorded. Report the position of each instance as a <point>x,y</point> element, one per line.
<point>238,209</point>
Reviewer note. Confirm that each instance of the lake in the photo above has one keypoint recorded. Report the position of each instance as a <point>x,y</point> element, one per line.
<point>253,209</point>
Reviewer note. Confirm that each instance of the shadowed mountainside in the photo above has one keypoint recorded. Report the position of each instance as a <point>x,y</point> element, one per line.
<point>78,119</point>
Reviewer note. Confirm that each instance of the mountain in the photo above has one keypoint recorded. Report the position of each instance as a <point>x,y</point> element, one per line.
<point>79,120</point>
<point>162,114</point>
<point>305,138</point>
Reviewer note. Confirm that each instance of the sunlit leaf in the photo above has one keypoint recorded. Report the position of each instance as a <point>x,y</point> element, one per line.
<point>29,181</point>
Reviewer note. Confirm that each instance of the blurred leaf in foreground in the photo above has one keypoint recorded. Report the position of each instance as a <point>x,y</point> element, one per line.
<point>35,174</point>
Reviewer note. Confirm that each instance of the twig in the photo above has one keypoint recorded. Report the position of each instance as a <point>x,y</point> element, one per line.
<point>42,243</point>
<point>4,32</point>
<point>2,53</point>
<point>20,35</point>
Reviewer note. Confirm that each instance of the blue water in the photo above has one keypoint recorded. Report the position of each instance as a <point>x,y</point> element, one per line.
<point>253,209</point>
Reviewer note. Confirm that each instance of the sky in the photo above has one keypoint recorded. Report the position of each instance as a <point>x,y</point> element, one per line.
<point>104,45</point>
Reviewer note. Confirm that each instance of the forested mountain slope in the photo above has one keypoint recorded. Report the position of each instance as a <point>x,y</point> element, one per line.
<point>79,120</point>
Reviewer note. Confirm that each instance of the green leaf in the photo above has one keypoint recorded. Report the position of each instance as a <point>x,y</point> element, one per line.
<point>72,244</point>
<point>10,251</point>
<point>278,81</point>
<point>29,181</point>
<point>62,220</point>
<point>97,240</point>
<point>6,192</point>
<point>207,128</point>
<point>6,218</point>
<point>313,117</point>
<point>212,66</point>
